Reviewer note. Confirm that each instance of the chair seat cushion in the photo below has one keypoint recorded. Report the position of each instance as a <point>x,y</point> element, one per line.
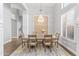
<point>48,38</point>
<point>32,44</point>
<point>47,43</point>
<point>55,40</point>
<point>39,40</point>
<point>32,38</point>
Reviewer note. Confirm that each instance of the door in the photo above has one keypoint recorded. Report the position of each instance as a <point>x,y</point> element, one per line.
<point>41,24</point>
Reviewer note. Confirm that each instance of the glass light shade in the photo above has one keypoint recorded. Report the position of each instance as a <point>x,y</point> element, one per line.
<point>40,18</point>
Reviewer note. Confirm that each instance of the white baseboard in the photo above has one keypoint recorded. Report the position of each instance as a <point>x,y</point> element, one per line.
<point>10,40</point>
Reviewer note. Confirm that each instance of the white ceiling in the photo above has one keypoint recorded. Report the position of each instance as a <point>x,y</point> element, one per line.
<point>42,5</point>
<point>34,8</point>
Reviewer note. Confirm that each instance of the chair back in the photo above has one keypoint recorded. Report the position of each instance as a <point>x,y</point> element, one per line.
<point>32,38</point>
<point>57,35</point>
<point>48,38</point>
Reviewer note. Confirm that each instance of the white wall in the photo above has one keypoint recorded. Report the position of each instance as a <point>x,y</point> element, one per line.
<point>30,24</point>
<point>57,18</point>
<point>69,44</point>
<point>11,16</point>
<point>72,45</point>
<point>25,29</point>
<point>7,23</point>
<point>35,12</point>
<point>14,28</point>
<point>1,29</point>
<point>77,29</point>
<point>50,24</point>
<point>12,13</point>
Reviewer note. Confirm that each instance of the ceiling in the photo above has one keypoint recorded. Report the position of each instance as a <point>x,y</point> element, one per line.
<point>42,5</point>
<point>34,8</point>
<point>46,8</point>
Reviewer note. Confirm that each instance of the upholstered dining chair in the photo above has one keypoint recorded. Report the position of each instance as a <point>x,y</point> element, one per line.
<point>56,39</point>
<point>32,41</point>
<point>47,41</point>
<point>40,38</point>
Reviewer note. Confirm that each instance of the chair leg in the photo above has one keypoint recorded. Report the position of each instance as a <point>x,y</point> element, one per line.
<point>52,44</point>
<point>50,49</point>
<point>29,48</point>
<point>22,44</point>
<point>57,44</point>
<point>27,45</point>
<point>35,48</point>
<point>45,48</point>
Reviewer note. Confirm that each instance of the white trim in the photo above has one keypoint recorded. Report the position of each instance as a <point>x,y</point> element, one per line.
<point>68,48</point>
<point>65,14</point>
<point>10,40</point>
<point>69,39</point>
<point>25,5</point>
<point>1,30</point>
<point>27,21</point>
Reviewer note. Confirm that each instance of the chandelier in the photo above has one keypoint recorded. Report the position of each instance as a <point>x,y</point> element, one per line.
<point>40,18</point>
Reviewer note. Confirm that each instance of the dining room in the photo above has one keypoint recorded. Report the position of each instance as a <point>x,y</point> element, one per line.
<point>40,29</point>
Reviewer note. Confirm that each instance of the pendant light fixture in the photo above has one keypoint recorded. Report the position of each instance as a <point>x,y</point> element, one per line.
<point>40,18</point>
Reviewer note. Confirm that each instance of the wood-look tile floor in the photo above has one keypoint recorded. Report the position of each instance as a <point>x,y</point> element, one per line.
<point>40,51</point>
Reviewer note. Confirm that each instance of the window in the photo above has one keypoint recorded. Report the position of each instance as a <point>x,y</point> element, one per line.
<point>68,24</point>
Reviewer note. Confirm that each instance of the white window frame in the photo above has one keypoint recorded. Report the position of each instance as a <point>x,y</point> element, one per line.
<point>62,17</point>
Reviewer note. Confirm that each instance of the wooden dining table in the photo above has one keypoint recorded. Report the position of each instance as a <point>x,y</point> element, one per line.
<point>39,40</point>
